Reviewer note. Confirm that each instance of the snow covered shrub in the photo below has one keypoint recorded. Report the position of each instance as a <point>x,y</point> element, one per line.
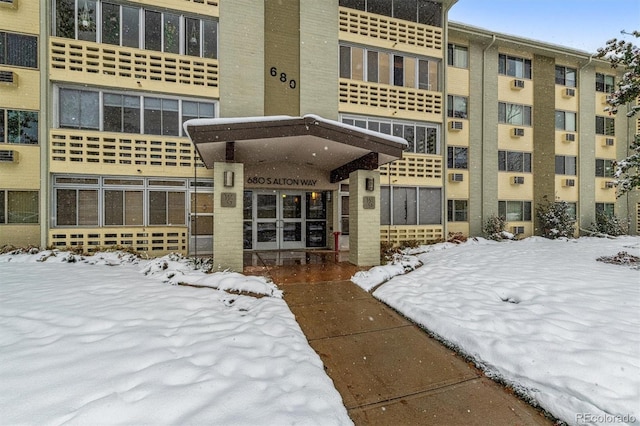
<point>494,229</point>
<point>556,219</point>
<point>609,224</point>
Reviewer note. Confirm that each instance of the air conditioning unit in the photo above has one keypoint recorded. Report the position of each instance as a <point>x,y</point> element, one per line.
<point>456,177</point>
<point>8,156</point>
<point>569,137</point>
<point>518,180</point>
<point>518,131</point>
<point>517,230</point>
<point>606,98</point>
<point>456,125</point>
<point>9,3</point>
<point>609,142</point>
<point>608,184</point>
<point>569,182</point>
<point>569,92</point>
<point>8,77</point>
<point>517,84</point>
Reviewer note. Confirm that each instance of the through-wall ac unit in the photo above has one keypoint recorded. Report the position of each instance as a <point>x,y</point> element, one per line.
<point>569,137</point>
<point>518,180</point>
<point>569,182</point>
<point>9,3</point>
<point>569,92</point>
<point>517,230</point>
<point>606,98</point>
<point>609,142</point>
<point>608,184</point>
<point>8,156</point>
<point>517,84</point>
<point>456,125</point>
<point>456,177</point>
<point>8,77</point>
<point>518,131</point>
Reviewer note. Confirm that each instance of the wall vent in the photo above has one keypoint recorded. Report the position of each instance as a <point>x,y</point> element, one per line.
<point>569,182</point>
<point>569,137</point>
<point>609,142</point>
<point>518,180</point>
<point>518,132</point>
<point>569,92</point>
<point>8,77</point>
<point>517,84</point>
<point>456,125</point>
<point>456,177</point>
<point>517,230</point>
<point>8,156</point>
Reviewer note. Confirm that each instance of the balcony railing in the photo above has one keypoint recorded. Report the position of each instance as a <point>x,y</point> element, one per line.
<point>89,62</point>
<point>384,28</point>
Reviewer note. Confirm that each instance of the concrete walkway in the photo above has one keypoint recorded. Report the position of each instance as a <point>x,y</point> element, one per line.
<point>389,371</point>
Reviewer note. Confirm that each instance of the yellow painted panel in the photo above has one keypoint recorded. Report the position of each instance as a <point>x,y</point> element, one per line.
<point>600,102</point>
<point>604,193</point>
<point>200,7</point>
<point>458,137</point>
<point>507,190</point>
<point>507,92</point>
<point>603,150</point>
<point>21,18</point>
<point>25,173</point>
<point>458,81</point>
<point>564,100</point>
<point>20,235</point>
<point>455,227</point>
<point>564,144</point>
<point>458,190</point>
<point>507,140</point>
<point>564,192</point>
<point>23,95</point>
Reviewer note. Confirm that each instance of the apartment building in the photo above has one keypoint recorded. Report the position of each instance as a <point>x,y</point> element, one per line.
<point>94,94</point>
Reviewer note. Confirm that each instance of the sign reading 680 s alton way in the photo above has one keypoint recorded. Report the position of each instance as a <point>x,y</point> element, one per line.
<point>275,181</point>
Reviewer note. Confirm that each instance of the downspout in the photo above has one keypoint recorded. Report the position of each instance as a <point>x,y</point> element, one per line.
<point>484,125</point>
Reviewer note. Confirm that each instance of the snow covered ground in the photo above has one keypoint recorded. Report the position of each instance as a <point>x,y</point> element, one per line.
<point>542,315</point>
<point>107,340</point>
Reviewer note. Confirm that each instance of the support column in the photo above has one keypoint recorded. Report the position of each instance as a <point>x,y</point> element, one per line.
<point>364,218</point>
<point>227,216</point>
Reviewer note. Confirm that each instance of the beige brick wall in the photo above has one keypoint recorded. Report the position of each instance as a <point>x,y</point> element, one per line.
<point>364,224</point>
<point>227,221</point>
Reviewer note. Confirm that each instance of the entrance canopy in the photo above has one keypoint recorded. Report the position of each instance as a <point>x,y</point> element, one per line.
<point>312,141</point>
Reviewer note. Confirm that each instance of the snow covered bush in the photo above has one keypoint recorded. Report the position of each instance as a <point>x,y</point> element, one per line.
<point>556,219</point>
<point>494,228</point>
<point>608,224</point>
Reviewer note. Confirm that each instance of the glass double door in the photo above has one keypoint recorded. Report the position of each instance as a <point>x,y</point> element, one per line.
<point>279,220</point>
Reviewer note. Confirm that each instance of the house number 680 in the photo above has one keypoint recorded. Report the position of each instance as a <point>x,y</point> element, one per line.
<point>282,77</point>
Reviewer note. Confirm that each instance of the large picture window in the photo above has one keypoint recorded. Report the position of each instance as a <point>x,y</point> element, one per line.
<point>108,201</point>
<point>423,138</point>
<point>515,211</point>
<point>514,161</point>
<point>18,50</point>
<point>407,205</point>
<point>514,114</point>
<point>115,112</point>
<point>358,63</point>
<point>19,207</point>
<point>18,127</point>
<point>514,67</point>
<point>131,26</point>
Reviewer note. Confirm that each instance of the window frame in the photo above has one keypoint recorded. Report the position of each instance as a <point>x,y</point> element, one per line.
<point>8,215</point>
<point>604,168</point>
<point>525,214</point>
<point>455,53</point>
<point>25,44</point>
<point>506,164</point>
<point>508,66</point>
<point>605,126</point>
<point>452,111</point>
<point>424,205</point>
<point>606,208</point>
<point>561,120</point>
<point>561,76</point>
<point>605,83</point>
<point>457,210</point>
<point>18,136</point>
<point>566,165</point>
<point>526,113</point>
<point>457,157</point>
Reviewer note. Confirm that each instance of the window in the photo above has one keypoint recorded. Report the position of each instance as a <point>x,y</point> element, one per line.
<point>82,109</point>
<point>422,11</point>
<point>107,201</point>
<point>362,64</point>
<point>566,76</point>
<point>566,165</point>
<point>19,207</point>
<point>604,168</point>
<point>566,120</point>
<point>137,27</point>
<point>572,210</point>
<point>18,127</point>
<point>514,67</point>
<point>18,50</point>
<point>515,211</point>
<point>457,56</point>
<point>605,83</point>
<point>514,161</point>
<point>400,205</point>
<point>605,208</point>
<point>605,126</point>
<point>457,106</point>
<point>457,157</point>
<point>514,114</point>
<point>457,211</point>
<point>423,138</point>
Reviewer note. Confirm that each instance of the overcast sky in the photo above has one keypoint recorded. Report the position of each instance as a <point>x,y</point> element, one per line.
<point>579,24</point>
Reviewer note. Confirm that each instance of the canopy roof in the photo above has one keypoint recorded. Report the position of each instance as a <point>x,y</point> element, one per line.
<point>310,140</point>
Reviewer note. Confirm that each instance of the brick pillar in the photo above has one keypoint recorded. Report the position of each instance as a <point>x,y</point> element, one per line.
<point>227,217</point>
<point>364,219</point>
